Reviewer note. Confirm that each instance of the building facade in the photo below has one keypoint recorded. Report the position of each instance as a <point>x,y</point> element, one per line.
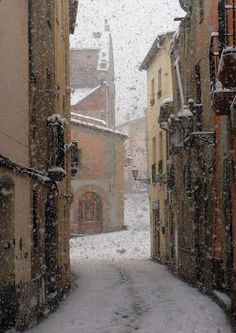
<point>35,167</point>
<point>93,78</point>
<point>159,92</point>
<point>222,70</point>
<point>135,154</point>
<point>98,204</point>
<point>200,151</point>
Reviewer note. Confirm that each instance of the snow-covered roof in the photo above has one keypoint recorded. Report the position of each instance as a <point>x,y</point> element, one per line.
<point>83,117</point>
<point>81,93</point>
<point>156,46</point>
<point>167,101</point>
<point>98,127</point>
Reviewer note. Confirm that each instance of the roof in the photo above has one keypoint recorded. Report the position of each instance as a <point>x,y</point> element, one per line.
<point>81,93</point>
<point>106,130</point>
<point>156,46</point>
<point>131,122</point>
<point>88,118</point>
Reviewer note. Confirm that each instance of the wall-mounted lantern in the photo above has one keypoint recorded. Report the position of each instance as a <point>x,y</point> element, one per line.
<point>186,120</point>
<point>189,121</point>
<point>135,175</point>
<point>175,135</point>
<point>128,160</point>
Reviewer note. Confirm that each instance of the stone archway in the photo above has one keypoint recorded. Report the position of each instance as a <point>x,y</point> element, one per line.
<point>7,253</point>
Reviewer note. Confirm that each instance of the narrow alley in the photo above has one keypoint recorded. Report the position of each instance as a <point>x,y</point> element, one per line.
<point>117,289</point>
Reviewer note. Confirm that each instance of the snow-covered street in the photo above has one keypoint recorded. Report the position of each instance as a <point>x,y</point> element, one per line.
<point>117,289</point>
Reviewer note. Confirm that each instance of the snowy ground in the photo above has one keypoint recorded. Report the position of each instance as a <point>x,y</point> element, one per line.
<point>117,289</point>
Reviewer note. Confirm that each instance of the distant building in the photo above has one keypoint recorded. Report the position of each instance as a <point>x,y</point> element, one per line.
<point>35,170</point>
<point>93,78</point>
<point>159,92</point>
<point>135,154</point>
<point>98,204</point>
<point>98,189</point>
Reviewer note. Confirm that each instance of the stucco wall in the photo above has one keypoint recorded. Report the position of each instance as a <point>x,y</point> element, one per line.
<point>157,191</point>
<point>14,80</point>
<point>101,171</point>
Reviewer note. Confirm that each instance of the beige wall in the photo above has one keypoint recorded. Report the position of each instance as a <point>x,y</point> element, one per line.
<point>136,148</point>
<point>14,80</point>
<point>62,106</point>
<point>156,191</point>
<point>21,226</point>
<point>101,171</point>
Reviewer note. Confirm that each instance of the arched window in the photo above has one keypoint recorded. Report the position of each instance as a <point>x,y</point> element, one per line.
<point>90,208</point>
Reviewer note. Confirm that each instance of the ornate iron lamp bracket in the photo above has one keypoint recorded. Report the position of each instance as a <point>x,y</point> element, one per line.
<point>208,137</point>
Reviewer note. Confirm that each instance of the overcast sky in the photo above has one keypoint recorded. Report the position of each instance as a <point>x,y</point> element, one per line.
<point>134,26</point>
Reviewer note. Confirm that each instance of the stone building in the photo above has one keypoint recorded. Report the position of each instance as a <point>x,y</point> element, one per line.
<point>191,133</point>
<point>92,75</point>
<point>35,187</point>
<point>159,93</point>
<point>135,154</point>
<point>201,147</point>
<point>98,204</point>
<point>222,70</point>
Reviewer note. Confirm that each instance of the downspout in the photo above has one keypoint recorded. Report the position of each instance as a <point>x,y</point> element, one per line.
<point>177,68</point>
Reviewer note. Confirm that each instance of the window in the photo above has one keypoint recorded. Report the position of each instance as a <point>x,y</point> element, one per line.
<point>49,15</point>
<point>76,155</point>
<point>160,167</point>
<point>154,173</point>
<point>159,83</point>
<point>152,101</point>
<point>201,11</point>
<point>34,220</point>
<point>57,126</point>
<point>154,150</point>
<point>188,178</point>
<point>161,145</point>
<point>198,84</point>
<point>171,177</point>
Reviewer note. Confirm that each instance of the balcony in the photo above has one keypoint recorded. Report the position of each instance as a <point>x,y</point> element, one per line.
<point>222,97</point>
<point>233,114</point>
<point>56,170</point>
<point>227,43</point>
<point>222,101</point>
<point>166,109</point>
<point>227,68</point>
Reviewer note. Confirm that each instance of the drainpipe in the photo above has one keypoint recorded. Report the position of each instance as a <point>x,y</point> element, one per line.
<point>177,68</point>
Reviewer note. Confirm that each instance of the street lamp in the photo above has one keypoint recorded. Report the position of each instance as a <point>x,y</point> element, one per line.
<point>185,117</point>
<point>135,175</point>
<point>175,135</point>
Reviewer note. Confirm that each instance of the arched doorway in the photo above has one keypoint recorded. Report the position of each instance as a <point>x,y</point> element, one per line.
<point>7,251</point>
<point>90,213</point>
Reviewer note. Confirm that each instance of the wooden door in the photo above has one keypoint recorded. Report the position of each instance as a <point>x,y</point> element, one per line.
<point>90,213</point>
